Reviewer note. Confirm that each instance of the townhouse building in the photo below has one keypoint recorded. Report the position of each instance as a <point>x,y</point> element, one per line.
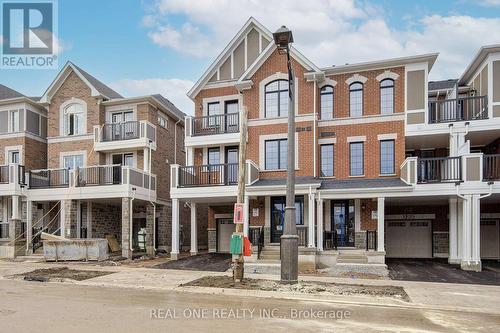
<point>388,164</point>
<point>90,163</point>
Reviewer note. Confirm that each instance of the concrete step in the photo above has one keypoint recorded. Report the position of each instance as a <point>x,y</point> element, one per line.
<point>270,256</point>
<point>264,267</point>
<point>341,260</point>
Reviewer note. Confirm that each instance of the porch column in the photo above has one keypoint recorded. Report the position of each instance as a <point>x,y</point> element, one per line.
<point>460,229</point>
<point>473,260</point>
<point>246,216</point>
<point>380,224</point>
<point>310,233</point>
<point>150,251</point>
<point>29,227</point>
<point>466,232</point>
<point>453,232</point>
<point>320,225</point>
<point>194,230</point>
<point>68,218</point>
<point>126,230</point>
<point>174,253</point>
<point>145,167</point>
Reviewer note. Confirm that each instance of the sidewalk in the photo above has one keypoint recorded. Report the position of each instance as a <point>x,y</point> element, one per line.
<point>443,296</point>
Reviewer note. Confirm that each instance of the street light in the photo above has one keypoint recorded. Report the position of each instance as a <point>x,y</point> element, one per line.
<point>289,240</point>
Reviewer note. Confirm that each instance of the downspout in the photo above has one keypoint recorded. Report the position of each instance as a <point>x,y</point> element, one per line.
<point>314,128</point>
<point>154,205</point>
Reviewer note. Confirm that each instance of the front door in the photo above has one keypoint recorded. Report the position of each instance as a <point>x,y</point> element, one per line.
<point>232,168</point>
<point>343,222</point>
<point>225,228</point>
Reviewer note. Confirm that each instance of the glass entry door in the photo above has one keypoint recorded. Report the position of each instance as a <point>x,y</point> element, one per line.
<point>232,168</point>
<point>343,222</point>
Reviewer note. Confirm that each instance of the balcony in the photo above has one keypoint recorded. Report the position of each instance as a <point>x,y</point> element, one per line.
<point>209,130</point>
<point>12,178</point>
<point>459,109</point>
<point>98,181</point>
<point>126,135</point>
<point>491,167</point>
<point>208,175</point>
<point>439,169</point>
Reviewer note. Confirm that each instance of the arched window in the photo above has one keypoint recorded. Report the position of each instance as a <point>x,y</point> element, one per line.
<point>326,102</point>
<point>387,96</point>
<point>74,119</point>
<point>276,100</point>
<point>356,99</point>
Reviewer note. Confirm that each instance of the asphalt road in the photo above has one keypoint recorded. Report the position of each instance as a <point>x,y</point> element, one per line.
<point>55,307</point>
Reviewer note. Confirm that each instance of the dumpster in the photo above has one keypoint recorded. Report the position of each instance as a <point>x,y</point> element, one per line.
<point>95,249</point>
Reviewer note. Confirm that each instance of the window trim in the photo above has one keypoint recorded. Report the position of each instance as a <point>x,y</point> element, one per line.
<point>321,160</point>
<point>362,159</point>
<point>279,153</point>
<point>279,91</point>
<point>332,93</point>
<point>393,87</point>
<point>351,90</point>
<point>208,154</point>
<point>393,157</point>
<point>62,121</point>
<point>62,155</point>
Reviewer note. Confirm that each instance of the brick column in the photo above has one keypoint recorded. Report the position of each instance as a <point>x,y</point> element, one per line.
<point>150,229</point>
<point>126,215</point>
<point>68,218</point>
<point>29,227</point>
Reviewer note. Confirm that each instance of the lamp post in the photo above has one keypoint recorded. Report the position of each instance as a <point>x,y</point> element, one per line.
<point>289,240</point>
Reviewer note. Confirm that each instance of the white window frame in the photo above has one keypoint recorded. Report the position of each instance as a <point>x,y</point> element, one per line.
<point>11,127</point>
<point>262,149</point>
<point>9,149</point>
<point>109,158</point>
<point>62,110</point>
<point>62,155</point>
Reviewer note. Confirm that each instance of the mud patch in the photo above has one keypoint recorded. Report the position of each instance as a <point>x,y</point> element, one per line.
<point>59,273</point>
<point>321,288</point>
<point>212,262</point>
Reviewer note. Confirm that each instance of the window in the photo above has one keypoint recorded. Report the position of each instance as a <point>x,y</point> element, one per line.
<point>278,205</point>
<point>387,96</point>
<point>162,121</point>
<point>213,156</point>
<point>73,161</point>
<point>356,155</point>
<point>326,160</point>
<point>14,156</point>
<point>124,159</point>
<point>213,110</point>
<point>387,157</point>
<point>275,152</point>
<point>74,119</point>
<point>122,116</point>
<point>326,102</point>
<point>14,121</point>
<point>232,117</point>
<point>276,100</point>
<point>356,99</point>
<point>231,107</point>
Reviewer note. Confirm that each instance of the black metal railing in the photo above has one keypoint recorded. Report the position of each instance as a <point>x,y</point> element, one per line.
<point>99,175</point>
<point>371,240</point>
<point>491,167</point>
<point>330,241</point>
<point>439,169</point>
<point>49,178</point>
<point>459,109</point>
<point>121,131</point>
<point>302,233</point>
<point>216,124</point>
<point>4,174</point>
<point>207,175</point>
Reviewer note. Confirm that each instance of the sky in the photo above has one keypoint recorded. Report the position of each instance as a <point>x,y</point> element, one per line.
<point>141,47</point>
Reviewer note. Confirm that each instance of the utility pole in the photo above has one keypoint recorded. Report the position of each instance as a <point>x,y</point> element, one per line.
<point>238,260</point>
<point>289,240</point>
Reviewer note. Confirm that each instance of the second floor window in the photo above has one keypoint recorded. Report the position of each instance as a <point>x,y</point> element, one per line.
<point>326,102</point>
<point>356,157</point>
<point>73,161</point>
<point>276,99</point>
<point>356,99</point>
<point>387,96</point>
<point>74,119</point>
<point>213,109</point>
<point>326,152</point>
<point>14,121</point>
<point>275,152</point>
<point>213,156</point>
<point>387,157</point>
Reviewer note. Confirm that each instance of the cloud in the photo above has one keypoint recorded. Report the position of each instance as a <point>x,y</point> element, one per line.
<point>326,31</point>
<point>173,89</point>
<point>489,3</point>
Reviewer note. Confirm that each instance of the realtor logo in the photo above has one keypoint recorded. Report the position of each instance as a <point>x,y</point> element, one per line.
<point>28,34</point>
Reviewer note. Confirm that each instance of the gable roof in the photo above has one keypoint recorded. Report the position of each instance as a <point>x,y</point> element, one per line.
<point>8,93</point>
<point>249,24</point>
<point>478,59</point>
<point>442,85</point>
<point>170,106</point>
<point>97,87</point>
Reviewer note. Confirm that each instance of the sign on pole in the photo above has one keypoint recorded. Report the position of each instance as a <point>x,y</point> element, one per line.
<point>238,213</point>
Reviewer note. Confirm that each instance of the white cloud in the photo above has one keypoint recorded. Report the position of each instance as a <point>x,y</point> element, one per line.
<point>173,89</point>
<point>327,31</point>
<point>489,3</point>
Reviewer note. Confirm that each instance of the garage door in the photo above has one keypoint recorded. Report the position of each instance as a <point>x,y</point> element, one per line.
<point>490,234</point>
<point>408,239</point>
<point>225,229</point>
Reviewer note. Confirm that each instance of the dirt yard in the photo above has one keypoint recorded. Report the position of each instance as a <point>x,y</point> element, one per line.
<point>302,287</point>
<point>60,273</point>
